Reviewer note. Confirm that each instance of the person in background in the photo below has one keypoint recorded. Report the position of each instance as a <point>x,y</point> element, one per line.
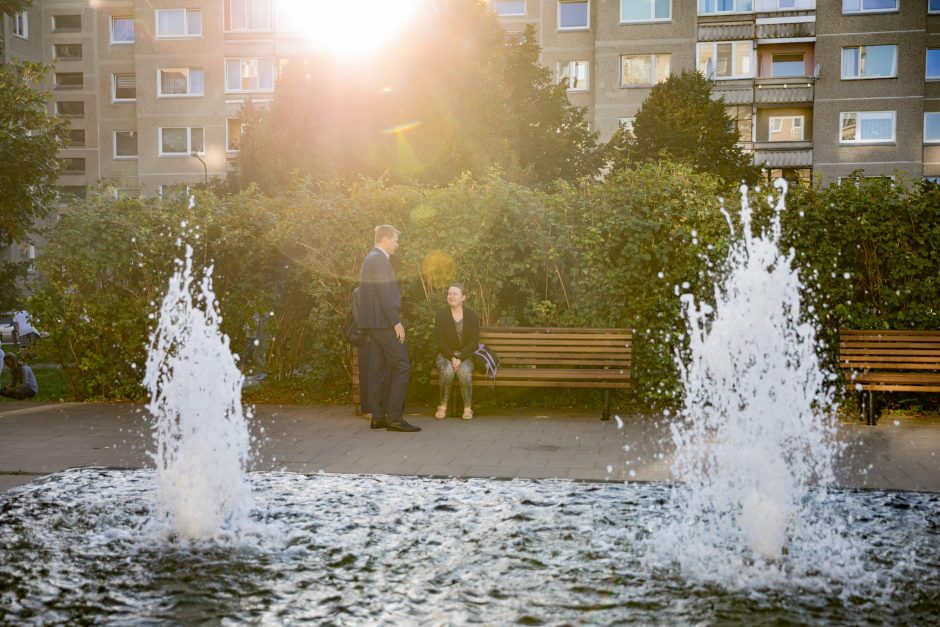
<point>380,316</point>
<point>457,331</point>
<point>24,381</point>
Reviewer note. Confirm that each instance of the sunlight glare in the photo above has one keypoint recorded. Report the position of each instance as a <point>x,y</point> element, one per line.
<point>347,27</point>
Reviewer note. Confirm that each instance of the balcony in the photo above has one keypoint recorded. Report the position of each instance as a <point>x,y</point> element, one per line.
<point>786,30</point>
<point>788,90</point>
<point>784,154</point>
<point>735,92</point>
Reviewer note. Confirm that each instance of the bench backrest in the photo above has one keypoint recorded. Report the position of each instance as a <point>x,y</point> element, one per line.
<point>889,350</point>
<point>560,347</point>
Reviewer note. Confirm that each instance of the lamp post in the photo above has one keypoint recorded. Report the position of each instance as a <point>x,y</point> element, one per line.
<point>204,166</point>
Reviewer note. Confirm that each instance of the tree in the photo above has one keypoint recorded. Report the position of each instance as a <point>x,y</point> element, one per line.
<point>30,140</point>
<point>450,95</point>
<point>680,121</point>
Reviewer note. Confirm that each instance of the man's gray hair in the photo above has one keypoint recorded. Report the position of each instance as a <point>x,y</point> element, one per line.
<point>385,230</point>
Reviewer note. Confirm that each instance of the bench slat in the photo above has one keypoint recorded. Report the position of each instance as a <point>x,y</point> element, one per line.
<point>539,361</point>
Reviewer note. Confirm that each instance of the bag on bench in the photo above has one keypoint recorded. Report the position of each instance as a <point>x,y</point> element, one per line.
<point>486,360</point>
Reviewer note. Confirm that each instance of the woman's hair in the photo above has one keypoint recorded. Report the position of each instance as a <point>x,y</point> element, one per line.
<point>459,286</point>
<point>11,361</point>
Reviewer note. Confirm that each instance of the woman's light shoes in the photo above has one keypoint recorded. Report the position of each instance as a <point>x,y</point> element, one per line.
<point>467,414</point>
<point>441,412</point>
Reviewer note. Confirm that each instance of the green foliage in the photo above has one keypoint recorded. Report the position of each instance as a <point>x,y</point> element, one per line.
<point>30,140</point>
<point>451,95</point>
<point>9,7</point>
<point>680,121</point>
<point>869,253</point>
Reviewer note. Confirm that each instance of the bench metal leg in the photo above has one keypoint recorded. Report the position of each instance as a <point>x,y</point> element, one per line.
<point>606,413</point>
<point>870,407</point>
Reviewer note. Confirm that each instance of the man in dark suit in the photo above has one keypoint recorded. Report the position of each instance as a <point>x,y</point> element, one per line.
<point>380,316</point>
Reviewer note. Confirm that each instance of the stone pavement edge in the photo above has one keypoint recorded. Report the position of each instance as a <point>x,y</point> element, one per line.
<point>37,439</point>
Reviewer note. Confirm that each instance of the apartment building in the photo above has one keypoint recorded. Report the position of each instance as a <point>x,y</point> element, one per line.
<point>816,87</point>
<point>153,89</point>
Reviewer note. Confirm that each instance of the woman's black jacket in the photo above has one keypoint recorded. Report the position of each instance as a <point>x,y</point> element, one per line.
<point>445,332</point>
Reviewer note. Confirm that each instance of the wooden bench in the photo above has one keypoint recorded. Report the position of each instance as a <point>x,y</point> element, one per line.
<point>888,361</point>
<point>540,357</point>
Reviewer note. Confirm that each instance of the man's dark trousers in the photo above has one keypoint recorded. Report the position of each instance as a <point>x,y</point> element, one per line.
<point>389,370</point>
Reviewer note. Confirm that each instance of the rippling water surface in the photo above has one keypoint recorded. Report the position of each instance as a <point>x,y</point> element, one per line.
<point>83,546</point>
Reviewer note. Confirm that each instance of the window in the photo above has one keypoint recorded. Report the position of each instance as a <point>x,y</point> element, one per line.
<point>67,52</point>
<point>179,82</point>
<point>726,60</point>
<point>787,65</point>
<point>643,70</point>
<point>724,6</point>
<point>249,15</point>
<point>124,86</point>
<point>122,30</point>
<point>76,137</point>
<point>69,192</point>
<point>183,141</point>
<point>250,74</point>
<point>69,80</point>
<point>575,73</point>
<point>932,128</point>
<point>626,124</point>
<point>775,5</point>
<point>787,128</point>
<point>506,8</point>
<point>125,144</point>
<point>868,6</point>
<point>933,6</point>
<point>70,108</point>
<point>73,165</point>
<point>933,64</point>
<point>866,127</point>
<point>179,23</point>
<point>645,10</point>
<point>168,190</point>
<point>21,24</point>
<point>233,134</point>
<point>66,23</point>
<point>574,14</point>
<point>870,62</point>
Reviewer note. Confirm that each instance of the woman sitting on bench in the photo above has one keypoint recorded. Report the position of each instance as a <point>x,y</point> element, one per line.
<point>457,330</point>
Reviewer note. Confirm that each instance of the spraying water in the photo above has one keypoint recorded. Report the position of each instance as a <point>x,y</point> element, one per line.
<point>195,396</point>
<point>753,436</point>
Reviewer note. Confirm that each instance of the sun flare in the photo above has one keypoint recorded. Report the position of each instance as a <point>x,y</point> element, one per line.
<point>347,27</point>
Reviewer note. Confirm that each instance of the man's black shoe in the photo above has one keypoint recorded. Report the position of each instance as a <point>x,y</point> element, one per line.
<point>378,423</point>
<point>401,425</point>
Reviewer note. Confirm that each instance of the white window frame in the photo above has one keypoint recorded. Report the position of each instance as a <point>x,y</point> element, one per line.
<point>651,18</point>
<point>229,90</point>
<point>114,152</point>
<point>652,57</point>
<point>114,79</point>
<point>862,77</point>
<point>937,139</point>
<point>189,142</point>
<point>928,77</point>
<point>737,8</point>
<point>734,58</point>
<point>774,5</point>
<point>801,53</point>
<point>858,126</point>
<point>186,34</point>
<point>862,9</point>
<point>122,42</point>
<point>626,123</point>
<point>227,19</point>
<point>780,119</point>
<point>558,4</point>
<point>524,8</point>
<point>570,65</point>
<point>189,82</point>
<point>21,24</point>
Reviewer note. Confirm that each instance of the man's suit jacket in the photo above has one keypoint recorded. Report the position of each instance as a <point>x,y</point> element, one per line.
<point>379,294</point>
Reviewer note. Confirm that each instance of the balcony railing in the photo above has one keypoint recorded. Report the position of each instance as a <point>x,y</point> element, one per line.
<point>792,89</point>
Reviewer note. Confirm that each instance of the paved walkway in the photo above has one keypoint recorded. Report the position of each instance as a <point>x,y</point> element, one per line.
<point>40,439</point>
